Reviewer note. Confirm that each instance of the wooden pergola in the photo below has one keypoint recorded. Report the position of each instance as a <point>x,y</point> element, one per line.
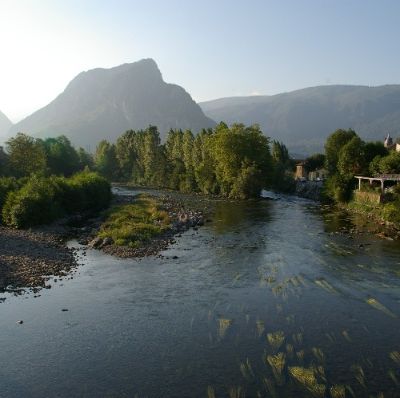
<point>382,178</point>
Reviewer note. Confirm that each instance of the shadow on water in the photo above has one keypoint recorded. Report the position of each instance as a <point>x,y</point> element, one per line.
<point>271,299</point>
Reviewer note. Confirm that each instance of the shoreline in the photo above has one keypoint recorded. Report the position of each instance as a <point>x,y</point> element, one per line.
<point>30,258</point>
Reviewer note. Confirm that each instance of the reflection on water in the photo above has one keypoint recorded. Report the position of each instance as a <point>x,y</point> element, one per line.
<point>271,299</point>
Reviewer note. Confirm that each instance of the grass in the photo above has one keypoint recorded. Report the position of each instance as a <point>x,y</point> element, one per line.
<point>135,224</point>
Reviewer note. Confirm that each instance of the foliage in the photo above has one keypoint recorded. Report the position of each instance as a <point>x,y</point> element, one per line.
<point>26,155</point>
<point>338,188</point>
<point>131,225</point>
<point>231,161</point>
<point>373,149</point>
<point>282,177</point>
<point>8,184</point>
<point>53,156</point>
<point>351,160</point>
<point>85,191</point>
<point>3,162</point>
<point>390,164</point>
<point>105,159</point>
<point>62,158</point>
<point>32,204</point>
<point>41,200</point>
<point>333,145</point>
<point>315,162</point>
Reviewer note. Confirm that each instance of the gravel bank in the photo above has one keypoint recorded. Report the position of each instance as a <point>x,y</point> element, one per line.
<point>28,258</point>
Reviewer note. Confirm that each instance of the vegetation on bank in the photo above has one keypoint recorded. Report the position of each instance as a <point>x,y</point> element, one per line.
<point>134,224</point>
<point>347,155</point>
<point>234,162</point>
<point>38,200</point>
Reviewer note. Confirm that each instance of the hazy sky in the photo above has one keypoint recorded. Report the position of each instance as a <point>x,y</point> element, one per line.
<point>212,48</point>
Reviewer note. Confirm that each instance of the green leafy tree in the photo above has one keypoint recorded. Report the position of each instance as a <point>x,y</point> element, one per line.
<point>315,162</point>
<point>85,160</point>
<point>62,157</point>
<point>351,160</point>
<point>3,162</point>
<point>333,145</point>
<point>373,149</point>
<point>105,160</point>
<point>26,155</point>
<point>390,164</point>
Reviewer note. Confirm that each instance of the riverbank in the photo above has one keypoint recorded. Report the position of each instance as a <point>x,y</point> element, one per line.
<point>373,213</point>
<point>31,259</point>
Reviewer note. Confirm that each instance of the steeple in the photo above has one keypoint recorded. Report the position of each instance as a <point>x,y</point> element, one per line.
<point>388,141</point>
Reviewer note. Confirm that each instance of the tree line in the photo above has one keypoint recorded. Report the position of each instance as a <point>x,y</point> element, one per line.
<point>234,162</point>
<point>25,155</point>
<point>347,155</point>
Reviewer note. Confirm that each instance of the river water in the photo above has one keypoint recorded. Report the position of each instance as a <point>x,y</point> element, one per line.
<point>270,299</point>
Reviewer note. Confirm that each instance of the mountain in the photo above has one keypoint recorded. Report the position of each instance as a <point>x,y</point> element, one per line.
<point>303,119</point>
<point>5,125</point>
<point>104,103</point>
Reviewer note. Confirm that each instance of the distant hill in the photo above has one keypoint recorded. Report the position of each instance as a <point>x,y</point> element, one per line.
<point>104,103</point>
<point>303,119</point>
<point>5,125</point>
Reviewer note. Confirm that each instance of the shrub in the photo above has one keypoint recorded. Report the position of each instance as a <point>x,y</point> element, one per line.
<point>42,200</point>
<point>338,188</point>
<point>32,204</point>
<point>7,184</point>
<point>86,191</point>
<point>391,212</point>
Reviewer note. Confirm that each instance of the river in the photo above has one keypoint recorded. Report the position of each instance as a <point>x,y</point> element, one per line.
<point>271,298</point>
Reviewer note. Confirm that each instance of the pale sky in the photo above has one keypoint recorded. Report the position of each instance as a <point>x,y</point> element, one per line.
<point>213,48</point>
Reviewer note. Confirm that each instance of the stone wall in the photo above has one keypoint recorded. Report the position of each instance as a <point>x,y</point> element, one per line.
<point>309,189</point>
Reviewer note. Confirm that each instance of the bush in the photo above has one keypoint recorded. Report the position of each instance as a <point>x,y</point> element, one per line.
<point>32,204</point>
<point>42,200</point>
<point>391,212</point>
<point>86,191</point>
<point>7,184</point>
<point>338,188</point>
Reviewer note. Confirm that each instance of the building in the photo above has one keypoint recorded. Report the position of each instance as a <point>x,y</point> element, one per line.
<point>317,175</point>
<point>301,172</point>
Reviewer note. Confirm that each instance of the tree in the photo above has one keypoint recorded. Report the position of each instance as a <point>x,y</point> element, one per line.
<point>62,158</point>
<point>351,160</point>
<point>26,155</point>
<point>373,149</point>
<point>85,159</point>
<point>390,164</point>
<point>3,162</point>
<point>333,146</point>
<point>105,160</point>
<point>236,148</point>
<point>280,153</point>
<point>315,162</point>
